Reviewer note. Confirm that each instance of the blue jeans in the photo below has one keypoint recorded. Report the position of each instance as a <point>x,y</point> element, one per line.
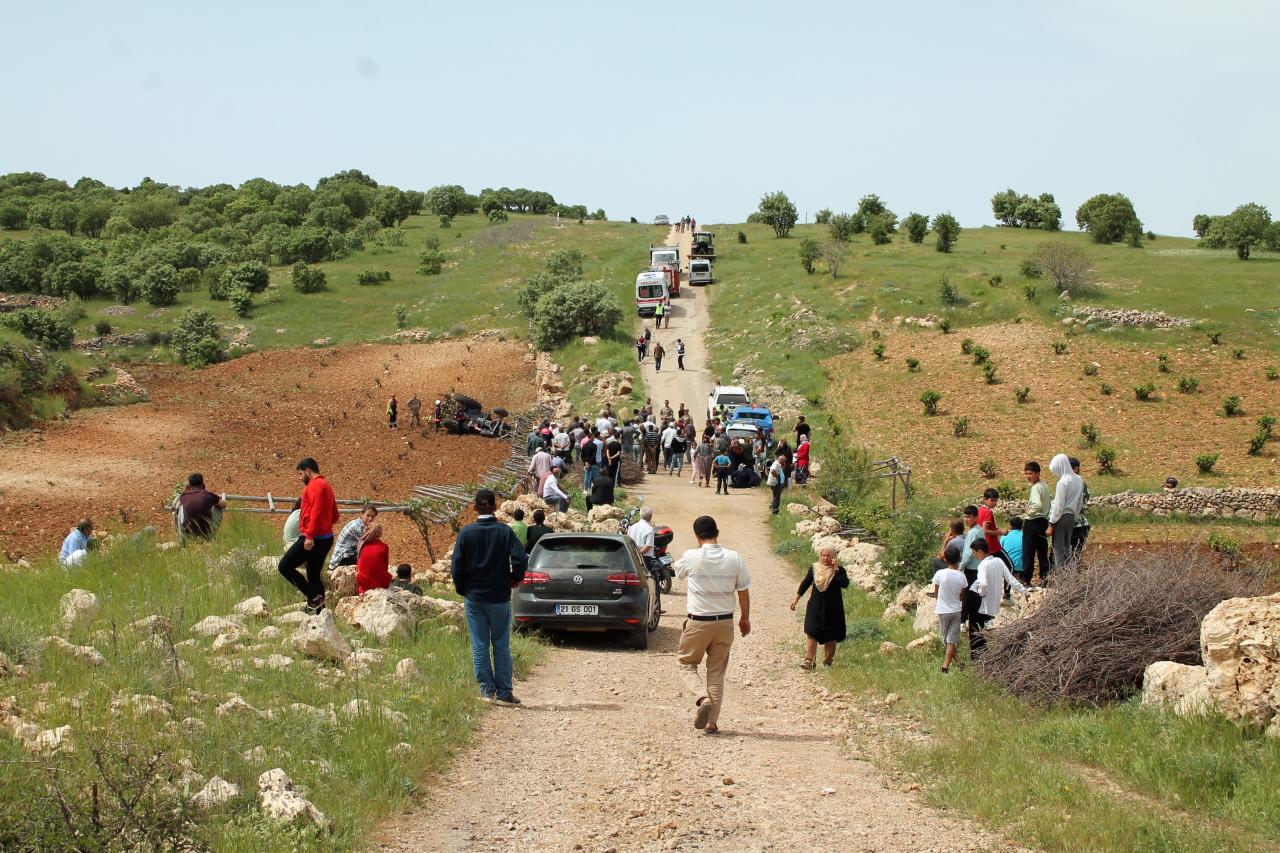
<point>589,476</point>
<point>676,462</point>
<point>489,625</point>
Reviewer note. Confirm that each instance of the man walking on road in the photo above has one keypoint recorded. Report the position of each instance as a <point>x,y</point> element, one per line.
<point>488,562</point>
<point>658,353</point>
<point>659,311</point>
<point>315,527</point>
<point>680,353</point>
<point>714,576</point>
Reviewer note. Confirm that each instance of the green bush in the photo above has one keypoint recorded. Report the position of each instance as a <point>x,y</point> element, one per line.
<point>910,543</point>
<point>1029,292</point>
<point>945,325</point>
<point>981,355</point>
<point>930,400</point>
<point>1107,390</point>
<point>948,292</point>
<point>913,365</point>
<point>1030,269</point>
<point>1008,491</point>
<point>1238,353</point>
<point>989,373</point>
<point>878,351</point>
<point>572,310</point>
<point>1273,374</point>
<point>1144,391</point>
<point>431,262</point>
<point>1231,406</point>
<point>995,280</point>
<point>846,473</point>
<point>372,277</point>
<point>966,346</point>
<point>402,316</point>
<point>159,285</point>
<point>1059,347</point>
<point>241,300</point>
<point>1106,460</point>
<point>497,216</point>
<point>1215,338</point>
<point>117,282</point>
<point>742,236</point>
<point>1162,363</point>
<point>1266,423</point>
<point>1206,461</point>
<point>49,329</point>
<point>987,468</point>
<point>1223,544</point>
<point>810,252</point>
<point>960,426</point>
<point>1091,369</point>
<point>253,276</point>
<point>1022,394</point>
<point>102,328</point>
<point>866,630</point>
<point>188,279</point>
<point>1258,443</point>
<point>1090,433</point>
<point>197,340</point>
<point>307,279</point>
<point>1188,384</point>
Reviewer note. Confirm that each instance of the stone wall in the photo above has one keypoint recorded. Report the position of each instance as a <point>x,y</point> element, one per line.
<point>1256,504</point>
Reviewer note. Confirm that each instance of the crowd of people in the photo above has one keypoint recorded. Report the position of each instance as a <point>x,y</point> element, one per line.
<point>414,405</point>
<point>686,223</point>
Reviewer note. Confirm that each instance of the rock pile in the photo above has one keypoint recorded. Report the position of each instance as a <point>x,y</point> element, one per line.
<point>125,389</point>
<point>79,608</point>
<point>280,802</point>
<point>1257,504</point>
<point>1129,317</point>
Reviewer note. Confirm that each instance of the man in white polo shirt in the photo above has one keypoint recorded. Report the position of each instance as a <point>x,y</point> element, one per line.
<point>715,577</point>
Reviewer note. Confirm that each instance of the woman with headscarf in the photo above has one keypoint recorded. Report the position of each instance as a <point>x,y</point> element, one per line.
<point>373,564</point>
<point>1065,507</point>
<point>824,614</point>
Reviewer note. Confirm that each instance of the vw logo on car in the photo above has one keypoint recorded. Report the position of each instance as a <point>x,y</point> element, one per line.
<point>577,578</point>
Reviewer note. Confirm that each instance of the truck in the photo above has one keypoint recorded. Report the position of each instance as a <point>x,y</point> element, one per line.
<point>651,291</point>
<point>699,271</point>
<point>702,245</point>
<point>728,396</point>
<point>673,279</point>
<point>667,256</point>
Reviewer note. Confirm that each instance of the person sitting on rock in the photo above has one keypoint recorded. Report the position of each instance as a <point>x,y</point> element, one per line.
<point>371,566</point>
<point>352,538</point>
<point>404,579</point>
<point>77,544</point>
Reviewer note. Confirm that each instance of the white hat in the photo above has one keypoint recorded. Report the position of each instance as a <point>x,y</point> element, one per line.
<point>437,402</point>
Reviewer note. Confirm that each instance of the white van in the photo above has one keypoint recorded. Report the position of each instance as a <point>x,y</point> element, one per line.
<point>651,291</point>
<point>699,271</point>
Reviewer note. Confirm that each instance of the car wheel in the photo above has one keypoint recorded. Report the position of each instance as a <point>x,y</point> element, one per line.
<point>656,615</point>
<point>640,637</point>
<point>666,586</point>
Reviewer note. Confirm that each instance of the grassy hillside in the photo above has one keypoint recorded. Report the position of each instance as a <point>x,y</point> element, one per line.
<point>765,296</point>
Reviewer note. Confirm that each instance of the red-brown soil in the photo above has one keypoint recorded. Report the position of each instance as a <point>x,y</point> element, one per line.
<point>245,424</point>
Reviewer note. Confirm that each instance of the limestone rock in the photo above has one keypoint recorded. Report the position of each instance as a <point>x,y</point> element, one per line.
<point>216,792</point>
<point>236,707</point>
<point>1018,607</point>
<point>1183,688</point>
<point>807,527</point>
<point>293,617</point>
<point>321,715</point>
<point>889,648</point>
<point>925,642</point>
<point>154,624</point>
<point>142,705</point>
<point>926,618</point>
<point>824,507</point>
<point>363,707</point>
<point>79,608</point>
<point>798,509</point>
<point>254,608</point>
<point>226,642</point>
<point>88,654</point>
<point>1238,641</point>
<point>51,740</point>
<point>383,614</point>
<point>401,749</point>
<point>427,607</point>
<point>605,512</point>
<point>212,626</point>
<point>318,637</point>
<point>271,632</point>
<point>408,671</point>
<point>280,802</point>
<point>267,566</point>
<point>276,661</point>
<point>340,582</point>
<point>894,611</point>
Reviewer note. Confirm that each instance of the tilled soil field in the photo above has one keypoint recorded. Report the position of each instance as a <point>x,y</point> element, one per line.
<point>245,424</point>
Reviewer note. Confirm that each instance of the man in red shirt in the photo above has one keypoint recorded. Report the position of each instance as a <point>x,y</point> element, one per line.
<point>319,514</point>
<point>987,521</point>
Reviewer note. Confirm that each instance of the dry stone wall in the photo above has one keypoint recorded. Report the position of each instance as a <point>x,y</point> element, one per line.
<point>1256,504</point>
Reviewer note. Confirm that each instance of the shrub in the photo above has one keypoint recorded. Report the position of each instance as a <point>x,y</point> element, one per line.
<point>878,351</point>
<point>1238,353</point>
<point>1221,543</point>
<point>253,276</point>
<point>1144,391</point>
<point>430,261</point>
<point>402,316</point>
<point>810,252</point>
<point>945,325</point>
<point>241,301</point>
<point>446,221</point>
<point>868,630</point>
<point>995,280</point>
<point>197,340</point>
<point>1272,374</point>
<point>1265,424</point>
<point>1106,460</point>
<point>930,400</point>
<point>1206,461</point>
<point>1091,369</point>
<point>742,236</point>
<point>1030,269</point>
<point>1231,406</point>
<point>1022,394</point>
<point>188,279</point>
<point>966,346</point>
<point>1215,338</point>
<point>1107,390</point>
<point>102,328</point>
<point>1068,266</point>
<point>913,365</point>
<point>981,355</point>
<point>307,279</point>
<point>47,328</point>
<point>1162,363</point>
<point>1029,292</point>
<point>159,285</point>
<point>1059,347</point>
<point>117,282</point>
<point>1090,433</point>
<point>1008,491</point>
<point>1188,384</point>
<point>960,426</point>
<point>911,543</point>
<point>497,216</point>
<point>987,468</point>
<point>572,310</point>
<point>989,373</point>
<point>1258,443</point>
<point>370,277</point>
<point>948,292</point>
<point>846,473</point>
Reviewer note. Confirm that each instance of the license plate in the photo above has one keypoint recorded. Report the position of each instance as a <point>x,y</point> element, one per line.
<point>577,610</point>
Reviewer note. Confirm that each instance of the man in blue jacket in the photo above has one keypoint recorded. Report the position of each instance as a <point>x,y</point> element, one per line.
<point>488,562</point>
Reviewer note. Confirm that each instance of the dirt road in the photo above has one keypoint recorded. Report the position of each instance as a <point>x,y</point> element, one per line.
<point>604,756</point>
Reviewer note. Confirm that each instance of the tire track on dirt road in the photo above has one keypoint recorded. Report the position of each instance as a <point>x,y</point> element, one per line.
<point>604,756</point>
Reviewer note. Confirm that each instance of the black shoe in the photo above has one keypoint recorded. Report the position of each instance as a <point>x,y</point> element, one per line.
<point>508,701</point>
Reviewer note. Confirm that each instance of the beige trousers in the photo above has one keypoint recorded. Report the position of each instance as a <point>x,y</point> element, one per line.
<point>712,641</point>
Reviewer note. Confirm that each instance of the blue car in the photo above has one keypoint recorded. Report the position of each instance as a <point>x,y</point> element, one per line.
<point>758,415</point>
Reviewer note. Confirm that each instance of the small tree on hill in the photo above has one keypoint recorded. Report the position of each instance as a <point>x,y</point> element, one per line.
<point>948,231</point>
<point>197,340</point>
<point>1200,224</point>
<point>573,309</point>
<point>868,206</point>
<point>777,211</point>
<point>834,254</point>
<point>809,253</point>
<point>1109,217</point>
<point>159,285</point>
<point>880,228</point>
<point>842,226</point>
<point>1243,229</point>
<point>822,217</point>
<point>1068,266</point>
<point>916,225</point>
<point>307,279</point>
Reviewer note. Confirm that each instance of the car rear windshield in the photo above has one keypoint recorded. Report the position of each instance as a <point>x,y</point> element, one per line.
<point>731,399</point>
<point>580,554</point>
<point>664,257</point>
<point>650,291</point>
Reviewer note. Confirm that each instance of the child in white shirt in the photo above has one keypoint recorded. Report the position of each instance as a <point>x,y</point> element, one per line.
<point>949,586</point>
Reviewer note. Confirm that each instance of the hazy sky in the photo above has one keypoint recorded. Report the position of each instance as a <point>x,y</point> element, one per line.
<point>646,108</point>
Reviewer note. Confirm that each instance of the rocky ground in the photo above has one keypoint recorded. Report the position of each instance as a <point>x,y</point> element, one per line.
<point>603,755</point>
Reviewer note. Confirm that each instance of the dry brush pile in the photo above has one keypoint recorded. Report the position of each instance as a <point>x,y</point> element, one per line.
<point>1103,622</point>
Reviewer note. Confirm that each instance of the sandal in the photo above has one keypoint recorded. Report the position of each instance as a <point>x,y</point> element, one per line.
<point>712,729</point>
<point>828,661</point>
<point>807,664</point>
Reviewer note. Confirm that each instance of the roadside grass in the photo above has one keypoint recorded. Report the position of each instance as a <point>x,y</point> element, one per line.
<point>1122,777</point>
<point>343,764</point>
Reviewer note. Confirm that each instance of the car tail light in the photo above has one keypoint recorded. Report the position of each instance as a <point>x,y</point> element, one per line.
<point>625,579</point>
<point>531,578</point>
<point>632,621</point>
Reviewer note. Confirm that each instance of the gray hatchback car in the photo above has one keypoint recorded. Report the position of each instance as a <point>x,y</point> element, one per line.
<point>587,582</point>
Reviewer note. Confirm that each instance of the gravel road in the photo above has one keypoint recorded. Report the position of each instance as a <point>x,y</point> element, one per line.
<point>604,757</point>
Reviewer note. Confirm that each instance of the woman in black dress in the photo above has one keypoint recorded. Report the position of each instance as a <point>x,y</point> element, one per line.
<point>824,614</point>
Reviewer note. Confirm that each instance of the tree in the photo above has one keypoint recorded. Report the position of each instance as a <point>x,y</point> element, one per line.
<point>565,264</point>
<point>1110,218</point>
<point>573,309</point>
<point>1068,266</point>
<point>159,285</point>
<point>835,253</point>
<point>868,206</point>
<point>391,206</point>
<point>1271,239</point>
<point>810,252</point>
<point>778,212</point>
<point>880,228</point>
<point>241,300</point>
<point>916,225</point>
<point>146,212</point>
<point>50,330</point>
<point>948,231</point>
<point>1016,210</point>
<point>307,279</point>
<point>446,200</point>
<point>1242,229</point>
<point>197,340</point>
<point>12,217</point>
<point>65,216</point>
<point>1200,224</point>
<point>93,218</point>
<point>822,217</point>
<point>253,276</point>
<point>842,226</point>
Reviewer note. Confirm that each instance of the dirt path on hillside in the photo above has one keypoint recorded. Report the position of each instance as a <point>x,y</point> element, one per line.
<point>603,755</point>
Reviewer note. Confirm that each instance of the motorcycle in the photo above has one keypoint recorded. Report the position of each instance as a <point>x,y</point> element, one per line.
<point>661,564</point>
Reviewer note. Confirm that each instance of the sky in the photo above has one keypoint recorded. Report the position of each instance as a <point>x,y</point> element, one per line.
<point>673,108</point>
